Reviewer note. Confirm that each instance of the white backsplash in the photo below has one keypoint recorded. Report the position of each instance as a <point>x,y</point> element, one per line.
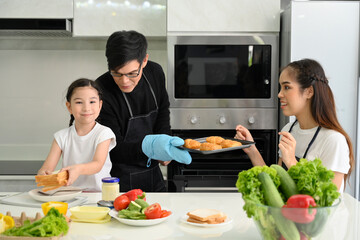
<point>34,76</point>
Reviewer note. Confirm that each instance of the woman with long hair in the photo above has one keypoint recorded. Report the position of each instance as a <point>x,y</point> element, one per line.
<point>305,93</point>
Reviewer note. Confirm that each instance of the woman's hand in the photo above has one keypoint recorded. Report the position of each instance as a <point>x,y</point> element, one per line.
<point>243,133</point>
<point>287,145</point>
<point>74,173</point>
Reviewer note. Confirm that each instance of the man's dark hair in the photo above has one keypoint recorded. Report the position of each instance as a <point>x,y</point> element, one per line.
<point>123,47</point>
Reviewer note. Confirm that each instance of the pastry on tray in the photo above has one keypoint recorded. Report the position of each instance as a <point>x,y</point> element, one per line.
<point>206,146</point>
<point>192,144</point>
<point>230,143</point>
<point>215,139</point>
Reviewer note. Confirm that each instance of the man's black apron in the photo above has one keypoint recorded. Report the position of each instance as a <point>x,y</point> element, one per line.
<point>132,177</point>
<point>308,147</point>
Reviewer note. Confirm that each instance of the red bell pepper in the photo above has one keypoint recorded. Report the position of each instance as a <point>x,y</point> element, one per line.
<point>299,209</point>
<point>135,194</point>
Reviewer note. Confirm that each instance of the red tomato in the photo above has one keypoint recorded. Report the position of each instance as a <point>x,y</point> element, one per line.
<point>165,213</point>
<point>153,211</point>
<point>121,202</point>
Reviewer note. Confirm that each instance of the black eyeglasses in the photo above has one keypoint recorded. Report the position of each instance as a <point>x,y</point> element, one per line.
<point>129,75</point>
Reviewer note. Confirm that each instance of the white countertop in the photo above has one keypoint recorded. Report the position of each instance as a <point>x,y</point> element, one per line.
<point>343,225</point>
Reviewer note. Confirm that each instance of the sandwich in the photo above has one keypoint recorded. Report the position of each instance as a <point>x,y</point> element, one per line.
<point>206,216</point>
<point>53,181</point>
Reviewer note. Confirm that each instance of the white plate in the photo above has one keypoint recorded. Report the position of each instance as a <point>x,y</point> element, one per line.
<point>132,222</point>
<point>226,222</point>
<point>57,197</point>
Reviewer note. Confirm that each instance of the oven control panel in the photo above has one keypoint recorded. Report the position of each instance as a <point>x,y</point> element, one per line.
<point>202,118</point>
<point>194,120</point>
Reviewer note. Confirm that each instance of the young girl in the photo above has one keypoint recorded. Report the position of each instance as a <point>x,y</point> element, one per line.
<point>85,145</point>
<point>305,93</point>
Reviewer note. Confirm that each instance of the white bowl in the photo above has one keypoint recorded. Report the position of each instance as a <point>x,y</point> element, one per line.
<point>272,218</point>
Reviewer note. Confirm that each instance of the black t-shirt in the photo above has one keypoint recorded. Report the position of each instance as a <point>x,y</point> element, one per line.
<point>115,113</point>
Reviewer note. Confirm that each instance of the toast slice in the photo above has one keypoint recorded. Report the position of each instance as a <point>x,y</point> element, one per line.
<point>53,181</point>
<point>206,216</point>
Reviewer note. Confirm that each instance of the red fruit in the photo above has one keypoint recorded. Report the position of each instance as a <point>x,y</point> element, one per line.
<point>135,194</point>
<point>153,211</point>
<point>121,202</point>
<point>165,213</point>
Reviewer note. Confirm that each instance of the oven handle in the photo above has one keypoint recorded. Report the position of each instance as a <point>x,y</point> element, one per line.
<point>210,189</point>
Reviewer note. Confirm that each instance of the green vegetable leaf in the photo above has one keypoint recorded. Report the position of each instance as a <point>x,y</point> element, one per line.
<point>314,179</point>
<point>53,224</point>
<point>131,214</point>
<point>250,187</point>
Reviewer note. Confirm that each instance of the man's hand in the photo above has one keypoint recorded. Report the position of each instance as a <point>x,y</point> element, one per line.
<point>164,148</point>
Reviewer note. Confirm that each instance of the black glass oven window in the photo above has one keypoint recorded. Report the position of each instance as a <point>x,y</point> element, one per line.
<point>222,71</point>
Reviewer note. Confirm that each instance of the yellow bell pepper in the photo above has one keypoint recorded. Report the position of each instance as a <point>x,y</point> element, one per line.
<point>6,222</point>
<point>62,207</point>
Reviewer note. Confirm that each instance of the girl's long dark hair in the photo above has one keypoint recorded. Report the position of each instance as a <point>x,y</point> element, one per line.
<point>308,73</point>
<point>81,82</point>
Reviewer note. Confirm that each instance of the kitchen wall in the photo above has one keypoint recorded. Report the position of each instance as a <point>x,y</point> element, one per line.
<point>34,76</point>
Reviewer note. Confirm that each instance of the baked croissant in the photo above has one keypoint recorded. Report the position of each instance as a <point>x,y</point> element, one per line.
<point>206,146</point>
<point>230,143</point>
<point>192,144</point>
<point>215,139</point>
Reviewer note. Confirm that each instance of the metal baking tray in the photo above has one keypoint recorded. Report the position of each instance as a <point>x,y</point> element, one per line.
<point>245,144</point>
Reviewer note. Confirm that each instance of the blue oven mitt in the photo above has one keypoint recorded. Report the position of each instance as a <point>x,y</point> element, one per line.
<point>164,148</point>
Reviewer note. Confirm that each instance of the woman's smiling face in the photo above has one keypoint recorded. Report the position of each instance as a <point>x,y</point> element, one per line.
<point>293,99</point>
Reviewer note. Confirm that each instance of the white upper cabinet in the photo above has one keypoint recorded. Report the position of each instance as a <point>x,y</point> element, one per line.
<point>223,16</point>
<point>40,9</point>
<point>100,18</point>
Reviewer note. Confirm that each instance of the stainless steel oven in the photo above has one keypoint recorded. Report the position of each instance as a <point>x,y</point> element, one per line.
<point>215,82</point>
<point>223,71</point>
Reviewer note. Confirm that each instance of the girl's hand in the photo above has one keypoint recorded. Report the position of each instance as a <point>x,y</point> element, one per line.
<point>44,172</point>
<point>243,133</point>
<point>74,173</point>
<point>287,145</point>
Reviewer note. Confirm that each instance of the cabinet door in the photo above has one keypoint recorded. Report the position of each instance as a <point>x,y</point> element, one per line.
<point>36,9</point>
<point>223,16</point>
<point>101,18</point>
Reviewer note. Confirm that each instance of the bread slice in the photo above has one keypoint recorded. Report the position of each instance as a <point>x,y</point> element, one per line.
<point>53,181</point>
<point>210,221</point>
<point>195,221</point>
<point>205,215</point>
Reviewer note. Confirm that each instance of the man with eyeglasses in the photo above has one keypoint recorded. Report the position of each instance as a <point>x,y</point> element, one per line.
<point>136,108</point>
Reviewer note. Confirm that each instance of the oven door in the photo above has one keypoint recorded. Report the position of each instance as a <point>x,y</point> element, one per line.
<point>218,71</point>
<point>217,172</point>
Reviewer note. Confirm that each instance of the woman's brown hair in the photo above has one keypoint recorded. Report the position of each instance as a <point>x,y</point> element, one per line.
<point>309,73</point>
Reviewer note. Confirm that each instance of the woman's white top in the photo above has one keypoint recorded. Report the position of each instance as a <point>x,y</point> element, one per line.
<point>329,146</point>
<point>81,149</point>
